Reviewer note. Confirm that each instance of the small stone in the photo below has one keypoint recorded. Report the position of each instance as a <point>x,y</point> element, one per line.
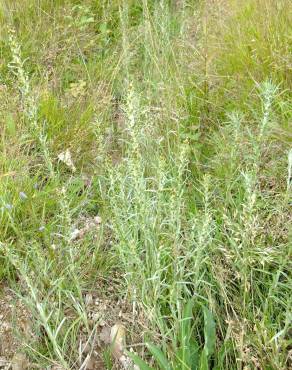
<point>96,316</point>
<point>86,348</point>
<point>118,340</point>
<point>101,323</point>
<point>88,299</point>
<point>19,362</point>
<point>105,335</point>
<point>3,362</point>
<point>90,363</point>
<point>75,234</point>
<point>97,220</point>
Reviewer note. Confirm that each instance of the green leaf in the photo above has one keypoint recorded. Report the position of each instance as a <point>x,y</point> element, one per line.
<point>138,361</point>
<point>10,125</point>
<point>221,355</point>
<point>103,28</point>
<point>209,331</point>
<point>204,360</point>
<point>187,318</point>
<point>159,356</point>
<point>194,351</point>
<point>184,353</point>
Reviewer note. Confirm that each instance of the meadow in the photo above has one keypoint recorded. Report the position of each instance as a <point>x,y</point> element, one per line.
<point>145,184</point>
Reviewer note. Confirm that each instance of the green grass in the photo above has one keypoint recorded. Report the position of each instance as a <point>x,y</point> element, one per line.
<point>177,115</point>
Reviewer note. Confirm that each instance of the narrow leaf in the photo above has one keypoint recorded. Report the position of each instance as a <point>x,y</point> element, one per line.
<point>138,361</point>
<point>204,360</point>
<point>184,354</point>
<point>209,331</point>
<point>159,357</point>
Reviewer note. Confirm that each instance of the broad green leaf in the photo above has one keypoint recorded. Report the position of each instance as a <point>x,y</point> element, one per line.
<point>187,318</point>
<point>184,353</point>
<point>209,332</point>
<point>159,357</point>
<point>204,360</point>
<point>194,350</point>
<point>138,361</point>
<point>10,125</point>
<point>221,355</point>
<point>103,28</point>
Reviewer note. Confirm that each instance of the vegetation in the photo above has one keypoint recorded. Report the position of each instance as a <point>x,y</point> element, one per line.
<point>168,123</point>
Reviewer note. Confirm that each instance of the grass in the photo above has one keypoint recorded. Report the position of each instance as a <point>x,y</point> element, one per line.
<point>177,117</point>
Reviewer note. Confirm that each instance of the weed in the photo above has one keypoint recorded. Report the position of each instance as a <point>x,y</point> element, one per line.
<point>171,123</point>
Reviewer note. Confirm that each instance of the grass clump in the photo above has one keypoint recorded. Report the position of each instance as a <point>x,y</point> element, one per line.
<point>147,160</point>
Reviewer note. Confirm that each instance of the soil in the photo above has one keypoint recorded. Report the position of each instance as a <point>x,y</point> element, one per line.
<point>16,325</point>
<point>12,314</point>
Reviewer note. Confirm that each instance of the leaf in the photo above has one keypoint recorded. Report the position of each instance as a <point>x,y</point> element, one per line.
<point>289,178</point>
<point>90,362</point>
<point>75,234</point>
<point>78,88</point>
<point>194,354</point>
<point>10,125</point>
<point>126,363</point>
<point>90,225</point>
<point>209,331</point>
<point>105,335</point>
<point>66,158</point>
<point>103,27</point>
<point>159,356</point>
<point>184,354</point>
<point>187,317</point>
<point>88,299</point>
<point>97,220</point>
<point>225,349</point>
<point>20,362</point>
<point>4,363</point>
<point>204,361</point>
<point>118,340</point>
<point>138,361</point>
<point>11,173</point>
